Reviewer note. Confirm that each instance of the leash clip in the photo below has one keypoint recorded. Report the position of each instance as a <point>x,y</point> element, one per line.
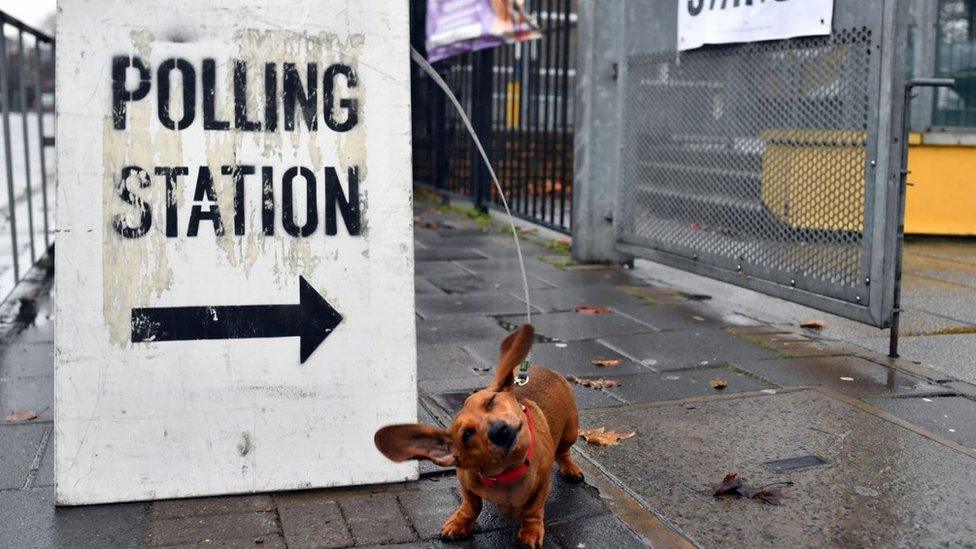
<point>522,374</point>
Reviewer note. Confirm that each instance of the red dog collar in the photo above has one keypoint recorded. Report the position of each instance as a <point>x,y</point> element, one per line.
<point>516,473</point>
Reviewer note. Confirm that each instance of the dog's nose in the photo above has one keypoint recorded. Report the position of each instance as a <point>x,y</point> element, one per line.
<point>501,434</point>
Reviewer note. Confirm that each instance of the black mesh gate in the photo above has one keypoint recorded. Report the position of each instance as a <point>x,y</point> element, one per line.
<point>520,99</point>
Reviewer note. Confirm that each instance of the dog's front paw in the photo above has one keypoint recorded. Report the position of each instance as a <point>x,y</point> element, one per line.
<point>457,527</point>
<point>531,535</point>
<point>572,474</point>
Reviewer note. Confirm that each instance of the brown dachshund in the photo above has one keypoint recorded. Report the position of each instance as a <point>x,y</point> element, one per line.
<point>504,443</point>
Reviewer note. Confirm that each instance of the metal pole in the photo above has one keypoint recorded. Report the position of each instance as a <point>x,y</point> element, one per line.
<point>438,105</point>
<point>481,109</point>
<point>39,110</point>
<point>902,189</point>
<point>22,73</point>
<point>5,90</point>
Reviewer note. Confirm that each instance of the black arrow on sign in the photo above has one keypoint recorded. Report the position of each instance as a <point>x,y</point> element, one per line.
<point>312,320</point>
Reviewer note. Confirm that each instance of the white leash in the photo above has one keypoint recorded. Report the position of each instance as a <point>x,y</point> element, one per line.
<point>423,64</point>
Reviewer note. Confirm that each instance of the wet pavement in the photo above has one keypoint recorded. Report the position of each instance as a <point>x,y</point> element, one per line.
<point>896,437</point>
<point>938,297</point>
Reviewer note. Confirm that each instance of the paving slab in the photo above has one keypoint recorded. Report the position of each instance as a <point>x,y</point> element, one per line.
<point>28,393</point>
<point>505,249</point>
<point>438,268</point>
<point>508,264</point>
<point>883,485</point>
<point>45,471</point>
<point>469,304</point>
<point>450,396</point>
<point>666,317</point>
<point>665,351</point>
<point>447,254</point>
<point>567,299</point>
<point>673,385</point>
<point>849,375</point>
<point>422,286</point>
<point>471,283</point>
<point>241,527</point>
<point>428,510</point>
<point>376,519</point>
<point>606,528</point>
<point>317,525</point>
<point>449,360</point>
<point>794,345</point>
<point>569,358</point>
<point>570,326</point>
<point>20,443</point>
<point>120,525</point>
<point>26,517</point>
<point>42,330</point>
<point>21,359</point>
<point>953,417</point>
<point>459,330</point>
<point>963,388</point>
<point>578,278</point>
<point>952,354</point>
<point>221,505</point>
<point>451,231</point>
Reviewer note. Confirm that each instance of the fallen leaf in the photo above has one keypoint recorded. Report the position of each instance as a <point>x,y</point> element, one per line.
<point>606,362</point>
<point>600,383</point>
<point>21,415</point>
<point>734,486</point>
<point>718,383</point>
<point>729,486</point>
<point>771,497</point>
<point>602,437</point>
<point>814,324</point>
<point>592,310</point>
<point>417,220</point>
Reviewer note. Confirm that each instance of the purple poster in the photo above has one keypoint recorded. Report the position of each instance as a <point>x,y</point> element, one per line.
<point>458,26</point>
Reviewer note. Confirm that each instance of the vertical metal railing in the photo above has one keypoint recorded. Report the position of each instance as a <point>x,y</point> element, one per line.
<point>27,101</point>
<point>520,98</point>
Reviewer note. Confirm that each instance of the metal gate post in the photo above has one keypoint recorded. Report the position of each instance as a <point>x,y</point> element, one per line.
<point>481,104</point>
<point>902,188</point>
<point>437,103</point>
<point>597,145</point>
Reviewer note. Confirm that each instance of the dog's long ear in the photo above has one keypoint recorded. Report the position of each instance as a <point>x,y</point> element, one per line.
<point>416,441</point>
<point>515,348</point>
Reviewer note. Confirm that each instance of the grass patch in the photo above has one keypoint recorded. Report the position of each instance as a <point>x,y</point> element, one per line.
<point>563,247</point>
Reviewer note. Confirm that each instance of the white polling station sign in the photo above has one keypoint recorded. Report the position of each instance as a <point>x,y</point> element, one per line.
<point>235,255</point>
<point>702,22</point>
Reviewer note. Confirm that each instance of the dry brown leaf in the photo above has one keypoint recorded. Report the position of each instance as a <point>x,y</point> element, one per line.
<point>600,383</point>
<point>606,362</point>
<point>21,415</point>
<point>729,486</point>
<point>718,383</point>
<point>603,437</point>
<point>814,324</point>
<point>592,310</point>
<point>733,485</point>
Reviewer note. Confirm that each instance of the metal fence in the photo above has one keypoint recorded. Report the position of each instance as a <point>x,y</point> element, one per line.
<point>520,98</point>
<point>27,169</point>
<point>955,49</point>
<point>770,165</point>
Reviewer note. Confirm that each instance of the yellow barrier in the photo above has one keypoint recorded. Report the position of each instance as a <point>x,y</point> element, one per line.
<point>942,196</point>
<point>805,172</point>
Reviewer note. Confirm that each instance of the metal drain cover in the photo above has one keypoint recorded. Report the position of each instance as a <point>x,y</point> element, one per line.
<point>792,464</point>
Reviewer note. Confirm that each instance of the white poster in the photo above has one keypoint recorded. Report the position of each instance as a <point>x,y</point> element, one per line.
<point>235,255</point>
<point>702,22</point>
